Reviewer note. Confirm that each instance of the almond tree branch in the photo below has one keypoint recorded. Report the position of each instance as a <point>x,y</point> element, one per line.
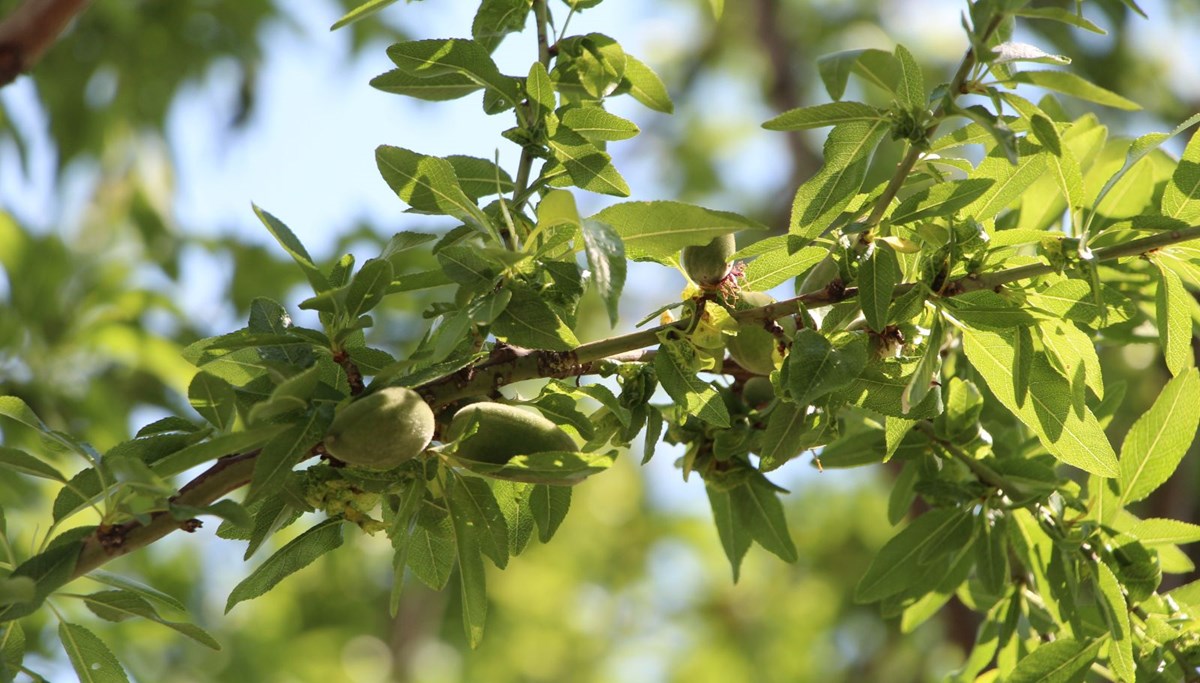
<point>28,32</point>
<point>512,364</point>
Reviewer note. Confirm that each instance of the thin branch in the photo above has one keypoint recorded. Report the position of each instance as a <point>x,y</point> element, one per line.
<point>28,32</point>
<point>227,474</point>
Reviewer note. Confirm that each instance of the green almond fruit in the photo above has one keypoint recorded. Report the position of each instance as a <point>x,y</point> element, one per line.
<point>504,431</point>
<point>708,265</point>
<point>758,392</point>
<point>381,430</point>
<point>754,346</point>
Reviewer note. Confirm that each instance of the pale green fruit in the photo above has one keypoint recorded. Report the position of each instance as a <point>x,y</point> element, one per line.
<point>758,392</point>
<point>503,432</point>
<point>708,265</point>
<point>754,346</point>
<point>381,430</point>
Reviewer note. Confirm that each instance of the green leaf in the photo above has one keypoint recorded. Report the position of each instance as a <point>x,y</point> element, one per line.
<point>497,18</point>
<point>530,322</point>
<point>910,88</point>
<point>1173,315</point>
<point>991,556</point>
<point>1157,442</point>
<point>513,499</point>
<point>549,505</point>
<point>1181,197</point>
<point>777,267</point>
<point>436,58</point>
<point>1116,613</point>
<point>291,244</point>
<point>1072,84</point>
<point>942,199</point>
<point>368,287</point>
<point>558,468</point>
<point>467,543</point>
<point>823,197</point>
<point>12,649</point>
<point>1158,531</point>
<point>18,460</point>
<point>597,124</point>
<point>1071,435</point>
<point>211,449</point>
<point>1072,300</point>
<point>1009,182</point>
<point>606,261</point>
<point>1073,353</point>
<point>686,389</point>
<point>816,367</point>
<point>589,168</point>
<point>1061,15</point>
<point>90,657</point>
<point>432,549</point>
<point>828,114</point>
<point>1064,660</point>
<point>127,584</point>
<point>428,184</point>
<point>540,89</point>
<point>119,605</point>
<point>434,88</point>
<point>877,280</point>
<point>1138,150</point>
<point>791,430</point>
<point>756,505</point>
<point>480,177</point>
<point>15,408</point>
<point>214,399</point>
<point>896,566</point>
<point>49,569</point>
<point>928,369</point>
<point>472,499</point>
<point>400,514</point>
<point>731,529</point>
<point>17,589</point>
<point>361,12</point>
<point>296,555</point>
<point>657,231</point>
<point>281,453</point>
<point>876,67</point>
<point>645,86</point>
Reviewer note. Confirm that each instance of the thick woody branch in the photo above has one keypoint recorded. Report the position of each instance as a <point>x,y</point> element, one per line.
<point>512,364</point>
<point>28,32</point>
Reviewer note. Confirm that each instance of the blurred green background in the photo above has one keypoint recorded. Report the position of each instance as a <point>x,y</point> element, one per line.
<point>127,163</point>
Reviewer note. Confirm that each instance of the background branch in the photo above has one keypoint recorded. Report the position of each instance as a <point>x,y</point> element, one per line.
<point>28,32</point>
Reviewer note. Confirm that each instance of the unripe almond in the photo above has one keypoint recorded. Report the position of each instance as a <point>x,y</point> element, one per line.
<point>381,430</point>
<point>758,392</point>
<point>504,431</point>
<point>754,346</point>
<point>708,265</point>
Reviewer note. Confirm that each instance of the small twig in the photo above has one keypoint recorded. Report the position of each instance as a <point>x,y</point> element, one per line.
<point>914,152</point>
<point>354,376</point>
<point>28,32</point>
